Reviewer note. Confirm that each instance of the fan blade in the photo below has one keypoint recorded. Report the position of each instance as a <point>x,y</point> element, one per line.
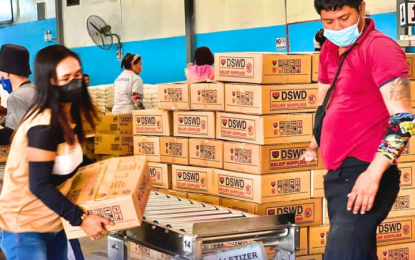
<point>102,39</point>
<point>93,25</point>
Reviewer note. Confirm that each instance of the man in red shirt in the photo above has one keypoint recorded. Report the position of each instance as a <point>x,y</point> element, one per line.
<point>368,123</point>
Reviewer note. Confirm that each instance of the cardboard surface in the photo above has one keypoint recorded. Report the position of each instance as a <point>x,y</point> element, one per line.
<point>115,124</point>
<point>408,154</point>
<point>174,96</point>
<point>209,199</point>
<point>262,188</point>
<point>206,152</point>
<point>209,96</point>
<point>407,175</point>
<point>310,257</point>
<point>410,61</point>
<point>114,144</point>
<point>308,212</point>
<point>244,206</point>
<point>412,84</point>
<point>317,183</point>
<point>396,230</point>
<point>266,68</point>
<point>192,179</point>
<point>404,204</point>
<point>259,159</point>
<point>315,58</point>
<point>152,122</point>
<point>194,124</point>
<point>270,129</point>
<point>148,146</point>
<point>270,99</point>
<point>117,189</point>
<point>160,175</point>
<point>317,239</point>
<point>174,150</point>
<point>397,252</point>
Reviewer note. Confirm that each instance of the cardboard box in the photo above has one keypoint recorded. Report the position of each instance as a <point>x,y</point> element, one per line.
<point>208,96</point>
<point>206,152</point>
<point>4,152</point>
<point>138,252</point>
<point>404,204</point>
<point>160,175</point>
<point>407,175</point>
<point>270,129</point>
<point>262,188</point>
<point>317,183</point>
<point>326,219</point>
<point>114,144</point>
<point>397,252</point>
<point>265,68</point>
<point>260,159</point>
<point>410,61</point>
<point>102,157</point>
<point>174,96</point>
<point>208,199</point>
<point>194,124</point>
<point>270,99</point>
<point>192,179</point>
<point>117,189</point>
<point>408,154</point>
<point>88,147</point>
<point>244,206</point>
<point>175,193</point>
<point>174,150</point>
<point>396,230</point>
<point>152,122</point>
<point>148,146</point>
<point>317,239</point>
<point>412,84</point>
<point>310,257</point>
<point>115,124</point>
<point>308,212</point>
<point>315,59</point>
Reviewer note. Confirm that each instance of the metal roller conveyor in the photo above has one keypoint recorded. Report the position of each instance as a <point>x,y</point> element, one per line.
<point>187,229</point>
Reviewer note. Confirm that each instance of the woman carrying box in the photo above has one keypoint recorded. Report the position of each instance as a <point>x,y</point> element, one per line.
<point>45,152</point>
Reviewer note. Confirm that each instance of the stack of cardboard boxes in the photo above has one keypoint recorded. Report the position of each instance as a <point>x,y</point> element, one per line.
<point>113,136</point>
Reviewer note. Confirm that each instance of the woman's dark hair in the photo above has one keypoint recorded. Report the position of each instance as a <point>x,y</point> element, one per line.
<point>85,75</point>
<point>126,62</point>
<point>335,5</point>
<point>46,62</point>
<point>203,56</point>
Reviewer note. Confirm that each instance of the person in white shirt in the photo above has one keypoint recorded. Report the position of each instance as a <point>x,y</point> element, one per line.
<point>128,87</point>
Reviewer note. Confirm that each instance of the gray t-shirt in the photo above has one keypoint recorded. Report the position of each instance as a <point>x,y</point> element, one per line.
<point>18,103</point>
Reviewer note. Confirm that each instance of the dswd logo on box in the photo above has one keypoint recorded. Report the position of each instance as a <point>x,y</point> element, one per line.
<point>289,95</point>
<point>287,154</point>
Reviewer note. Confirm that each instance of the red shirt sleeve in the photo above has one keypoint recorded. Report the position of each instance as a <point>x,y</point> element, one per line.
<point>322,67</point>
<point>385,59</point>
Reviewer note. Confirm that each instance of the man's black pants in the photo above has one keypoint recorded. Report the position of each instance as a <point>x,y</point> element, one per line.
<point>353,237</point>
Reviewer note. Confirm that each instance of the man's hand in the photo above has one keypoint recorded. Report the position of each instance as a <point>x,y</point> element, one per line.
<point>363,194</point>
<point>310,155</point>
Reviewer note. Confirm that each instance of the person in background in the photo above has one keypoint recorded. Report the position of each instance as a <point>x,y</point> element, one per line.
<point>202,70</point>
<point>14,77</point>
<point>45,153</point>
<point>128,87</point>
<point>86,80</point>
<point>319,40</point>
<point>367,124</point>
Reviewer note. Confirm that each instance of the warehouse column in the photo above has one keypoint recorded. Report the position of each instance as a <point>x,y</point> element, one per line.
<point>189,15</point>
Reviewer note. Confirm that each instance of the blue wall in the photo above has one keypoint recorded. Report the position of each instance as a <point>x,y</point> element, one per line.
<point>30,35</point>
<point>164,59</point>
<point>301,34</point>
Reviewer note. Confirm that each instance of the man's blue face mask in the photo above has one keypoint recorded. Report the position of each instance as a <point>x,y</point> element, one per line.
<point>345,37</point>
<point>7,85</point>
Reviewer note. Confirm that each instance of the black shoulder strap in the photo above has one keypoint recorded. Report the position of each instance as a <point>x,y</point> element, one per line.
<point>327,97</point>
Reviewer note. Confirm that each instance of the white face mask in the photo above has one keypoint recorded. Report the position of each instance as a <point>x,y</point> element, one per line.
<point>345,37</point>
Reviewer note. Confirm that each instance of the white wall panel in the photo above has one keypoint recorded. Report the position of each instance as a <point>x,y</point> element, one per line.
<point>150,19</point>
<point>223,15</point>
<point>303,10</point>
<point>75,17</point>
<point>25,10</point>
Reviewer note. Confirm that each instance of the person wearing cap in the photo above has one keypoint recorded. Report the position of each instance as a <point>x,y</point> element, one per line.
<point>14,77</point>
<point>128,87</point>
